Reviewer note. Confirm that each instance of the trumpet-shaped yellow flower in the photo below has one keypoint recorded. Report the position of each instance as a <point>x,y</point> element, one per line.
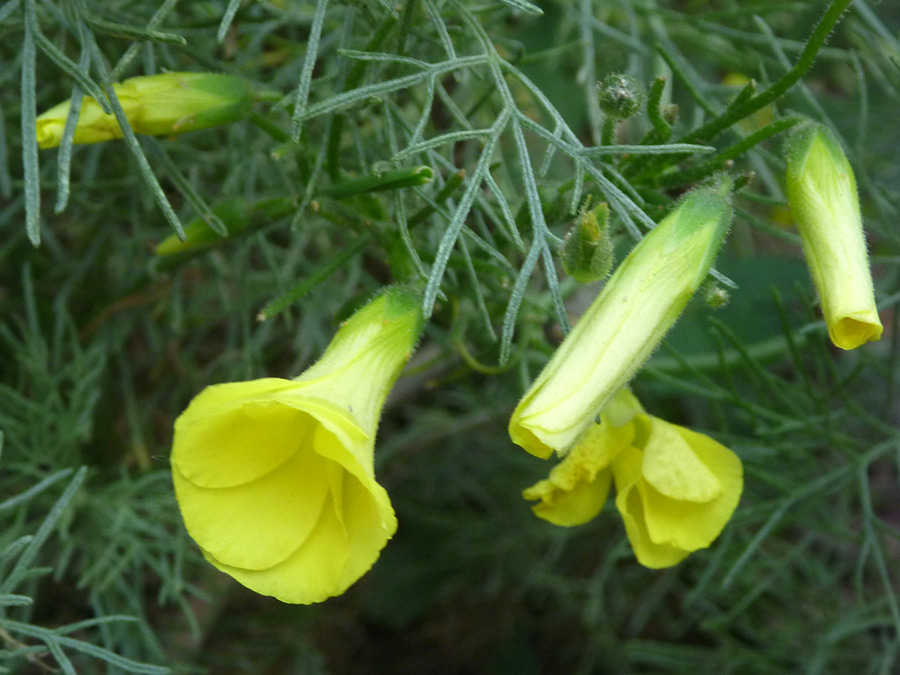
<point>822,192</point>
<point>623,326</point>
<point>676,488</point>
<point>275,478</point>
<point>157,105</point>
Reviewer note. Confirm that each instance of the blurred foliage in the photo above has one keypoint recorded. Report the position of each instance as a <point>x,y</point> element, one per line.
<point>104,342</point>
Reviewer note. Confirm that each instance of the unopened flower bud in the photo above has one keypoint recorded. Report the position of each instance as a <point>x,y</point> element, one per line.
<point>619,331</point>
<point>715,296</point>
<point>821,189</point>
<point>587,252</point>
<point>620,96</point>
<point>158,105</point>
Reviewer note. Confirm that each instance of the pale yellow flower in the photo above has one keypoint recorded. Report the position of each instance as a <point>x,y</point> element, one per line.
<point>275,478</point>
<point>158,105</point>
<point>676,488</point>
<point>822,192</point>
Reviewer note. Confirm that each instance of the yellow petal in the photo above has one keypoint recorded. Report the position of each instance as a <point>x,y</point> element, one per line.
<point>577,487</point>
<point>671,466</point>
<point>370,522</point>
<point>313,573</point>
<point>627,469</point>
<point>344,443</point>
<point>258,524</point>
<point>568,508</point>
<point>694,525</point>
<point>232,433</point>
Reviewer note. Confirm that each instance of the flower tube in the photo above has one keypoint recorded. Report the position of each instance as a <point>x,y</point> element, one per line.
<point>158,105</point>
<point>822,193</point>
<point>275,478</point>
<point>623,326</point>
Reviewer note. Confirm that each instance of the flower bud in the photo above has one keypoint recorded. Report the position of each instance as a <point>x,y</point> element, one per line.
<point>275,478</point>
<point>587,251</point>
<point>620,96</point>
<point>158,105</point>
<point>715,296</point>
<point>623,326</point>
<point>821,189</point>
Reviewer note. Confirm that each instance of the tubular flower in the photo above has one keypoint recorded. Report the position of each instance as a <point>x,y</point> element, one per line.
<point>275,478</point>
<point>622,327</point>
<point>676,488</point>
<point>822,193</point>
<point>158,105</point>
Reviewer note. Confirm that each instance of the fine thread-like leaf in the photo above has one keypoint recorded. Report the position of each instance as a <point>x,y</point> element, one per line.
<point>227,18</point>
<point>443,139</point>
<point>155,21</point>
<point>524,5</point>
<point>37,488</point>
<point>44,531</point>
<point>130,139</point>
<point>376,89</point>
<point>448,240</point>
<point>66,144</point>
<point>29,138</point>
<point>5,177</point>
<point>309,62</point>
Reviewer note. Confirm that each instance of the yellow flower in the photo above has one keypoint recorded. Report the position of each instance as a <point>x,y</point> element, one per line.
<point>676,488</point>
<point>822,192</point>
<point>623,326</point>
<point>275,478</point>
<point>165,104</point>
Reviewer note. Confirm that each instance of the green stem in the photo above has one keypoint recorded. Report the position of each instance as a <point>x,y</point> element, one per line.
<point>779,88</point>
<point>317,276</point>
<point>660,125</point>
<point>391,180</point>
<point>608,134</point>
<point>270,128</point>
<point>716,162</point>
<point>443,195</point>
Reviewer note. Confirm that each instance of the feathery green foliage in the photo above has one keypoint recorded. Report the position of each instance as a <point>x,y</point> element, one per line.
<point>451,144</point>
